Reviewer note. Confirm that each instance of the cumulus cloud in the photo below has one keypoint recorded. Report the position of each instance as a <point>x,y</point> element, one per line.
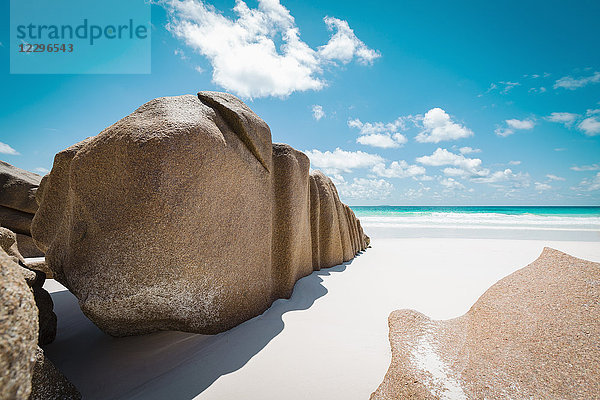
<point>6,149</point>
<point>318,112</point>
<point>581,168</point>
<point>344,46</point>
<point>438,126</point>
<point>564,118</point>
<point>590,126</point>
<point>463,166</point>
<point>471,168</point>
<point>451,184</point>
<point>339,161</point>
<point>259,52</point>
<point>570,83</point>
<point>363,188</point>
<point>513,125</point>
<point>398,169</point>
<point>379,134</point>
<point>517,180</point>
<point>515,162</point>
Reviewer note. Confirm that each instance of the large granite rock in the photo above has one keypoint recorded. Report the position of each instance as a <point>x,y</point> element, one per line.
<point>532,335</point>
<point>185,216</point>
<point>18,331</point>
<point>18,205</point>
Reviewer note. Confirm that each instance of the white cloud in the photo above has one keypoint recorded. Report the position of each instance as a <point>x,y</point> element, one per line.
<point>343,46</point>
<point>503,86</point>
<point>318,112</point>
<point>564,118</point>
<point>398,169</point>
<point>442,157</point>
<point>42,170</point>
<point>363,188</point>
<point>540,89</point>
<point>542,186</point>
<point>591,184</point>
<point>570,83</point>
<point>554,177</point>
<point>471,168</point>
<point>514,162</point>
<point>520,124</point>
<point>590,126</point>
<point>6,149</point>
<point>593,167</point>
<point>382,140</point>
<point>416,193</point>
<point>379,134</point>
<point>518,180</point>
<point>438,126</point>
<point>244,50</point>
<point>338,161</point>
<point>508,86</point>
<point>451,171</point>
<point>468,150</point>
<point>451,183</point>
<point>181,54</point>
<point>513,125</point>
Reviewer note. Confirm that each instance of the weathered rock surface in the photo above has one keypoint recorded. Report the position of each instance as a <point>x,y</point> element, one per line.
<point>35,280</point>
<point>17,188</point>
<point>185,216</point>
<point>18,205</point>
<point>18,331</point>
<point>292,247</point>
<point>48,383</point>
<point>532,335</point>
<point>8,243</point>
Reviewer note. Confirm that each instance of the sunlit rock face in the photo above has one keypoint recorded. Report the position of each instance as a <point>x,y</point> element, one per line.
<point>185,216</point>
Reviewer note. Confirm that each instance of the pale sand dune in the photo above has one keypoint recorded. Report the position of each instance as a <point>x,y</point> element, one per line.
<point>329,341</point>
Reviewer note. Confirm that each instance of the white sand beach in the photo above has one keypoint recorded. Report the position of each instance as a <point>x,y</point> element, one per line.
<point>329,341</point>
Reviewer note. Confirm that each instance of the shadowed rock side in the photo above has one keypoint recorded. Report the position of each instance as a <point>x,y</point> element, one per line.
<point>184,216</point>
<point>26,320</point>
<point>35,280</point>
<point>292,247</point>
<point>533,334</point>
<point>18,205</point>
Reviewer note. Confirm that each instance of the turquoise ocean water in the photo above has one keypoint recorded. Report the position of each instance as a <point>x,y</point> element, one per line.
<point>561,223</point>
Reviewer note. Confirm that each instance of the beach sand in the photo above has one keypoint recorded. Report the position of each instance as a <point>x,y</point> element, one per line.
<point>329,341</point>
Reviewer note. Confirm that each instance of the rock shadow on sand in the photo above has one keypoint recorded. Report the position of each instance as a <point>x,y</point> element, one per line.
<point>161,365</point>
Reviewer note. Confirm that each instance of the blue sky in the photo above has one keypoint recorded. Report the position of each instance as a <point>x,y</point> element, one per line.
<point>407,103</point>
